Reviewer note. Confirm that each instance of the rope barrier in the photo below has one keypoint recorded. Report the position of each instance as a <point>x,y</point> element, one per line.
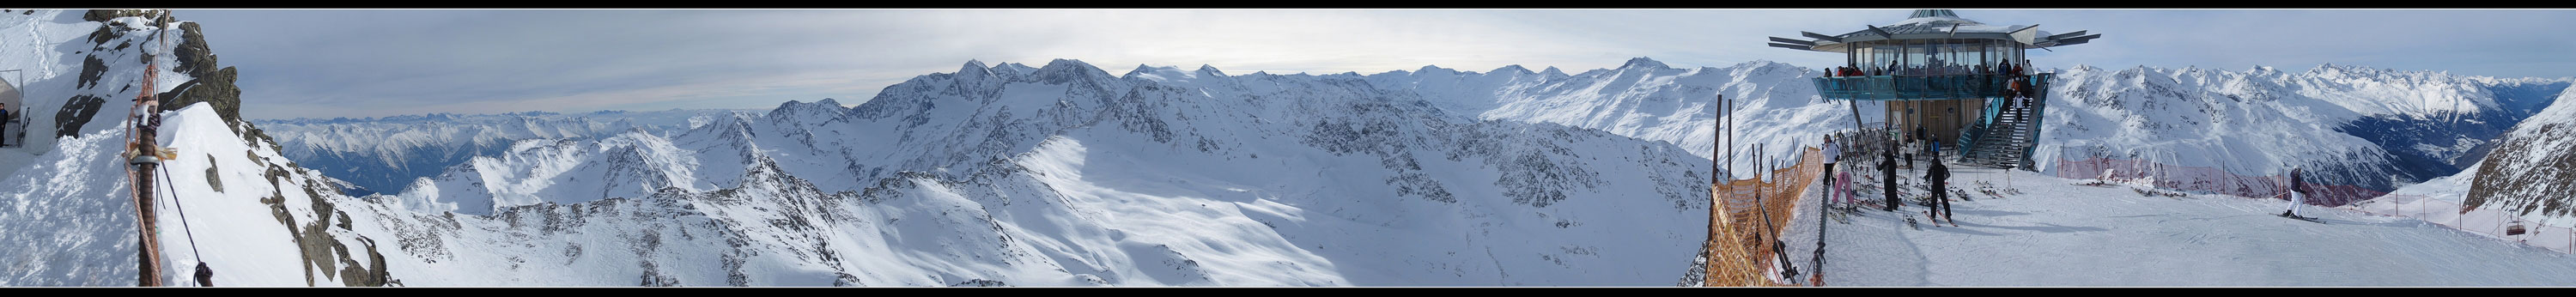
<point>204,274</point>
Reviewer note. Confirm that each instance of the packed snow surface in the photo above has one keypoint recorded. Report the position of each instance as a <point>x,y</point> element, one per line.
<point>2057,232</point>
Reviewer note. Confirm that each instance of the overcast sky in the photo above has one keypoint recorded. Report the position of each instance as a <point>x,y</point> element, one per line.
<point>362,63</point>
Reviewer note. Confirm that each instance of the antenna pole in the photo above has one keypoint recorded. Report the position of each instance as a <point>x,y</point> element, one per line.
<point>143,148</point>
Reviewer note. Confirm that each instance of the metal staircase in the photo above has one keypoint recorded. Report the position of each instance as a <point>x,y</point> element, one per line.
<point>2006,136</point>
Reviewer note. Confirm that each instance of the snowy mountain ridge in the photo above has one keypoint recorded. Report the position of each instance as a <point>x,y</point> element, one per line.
<point>2397,127</point>
<point>385,154</point>
<point>1064,175</point>
<point>2392,127</point>
<point>994,175</point>
<point>2530,174</point>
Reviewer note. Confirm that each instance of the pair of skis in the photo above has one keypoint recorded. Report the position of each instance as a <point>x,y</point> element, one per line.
<point>2286,214</point>
<point>1843,212</point>
<point>1910,222</point>
<point>2309,219</point>
<point>1927,217</point>
<point>1936,221</point>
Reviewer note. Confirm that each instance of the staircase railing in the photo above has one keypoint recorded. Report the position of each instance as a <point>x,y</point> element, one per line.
<point>2038,110</point>
<point>1985,123</point>
<point>1992,126</point>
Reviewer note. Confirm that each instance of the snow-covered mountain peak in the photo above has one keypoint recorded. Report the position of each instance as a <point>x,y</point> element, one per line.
<point>973,66</point>
<point>1164,74</point>
<point>1643,63</point>
<point>1142,69</point>
<point>814,112</point>
<point>2326,68</point>
<point>1013,69</point>
<point>1760,64</point>
<point>1434,70</point>
<point>1553,73</point>
<point>1210,70</point>
<point>1061,71</point>
<point>1763,69</point>
<point>734,125</point>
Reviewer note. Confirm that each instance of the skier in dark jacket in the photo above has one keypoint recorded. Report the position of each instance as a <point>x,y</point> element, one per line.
<point>1887,172</point>
<point>4,123</point>
<point>1939,177</point>
<point>2298,193</point>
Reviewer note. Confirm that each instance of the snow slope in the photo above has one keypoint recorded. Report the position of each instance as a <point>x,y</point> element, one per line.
<point>1064,175</point>
<point>2058,233</point>
<point>2530,174</point>
<point>2389,127</point>
<point>1645,99</point>
<point>385,154</point>
<point>68,210</point>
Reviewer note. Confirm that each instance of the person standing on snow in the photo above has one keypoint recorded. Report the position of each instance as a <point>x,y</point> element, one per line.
<point>1833,152</point>
<point>1939,178</point>
<point>2298,193</point>
<point>1909,149</point>
<point>1919,133</point>
<point>1887,172</point>
<point>4,123</point>
<point>1842,188</point>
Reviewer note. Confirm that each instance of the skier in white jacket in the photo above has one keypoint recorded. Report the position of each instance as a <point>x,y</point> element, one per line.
<point>1833,152</point>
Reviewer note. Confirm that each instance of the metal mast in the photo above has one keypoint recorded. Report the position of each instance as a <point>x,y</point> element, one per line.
<point>143,150</point>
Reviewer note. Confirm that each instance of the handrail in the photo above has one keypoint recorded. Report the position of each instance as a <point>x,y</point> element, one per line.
<point>2038,110</point>
<point>1917,87</point>
<point>1985,121</point>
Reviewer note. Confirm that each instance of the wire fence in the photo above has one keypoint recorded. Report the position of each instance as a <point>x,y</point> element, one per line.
<point>2488,222</point>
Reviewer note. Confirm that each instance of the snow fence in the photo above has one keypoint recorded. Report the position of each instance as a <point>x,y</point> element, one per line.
<point>2488,222</point>
<point>1753,212</point>
<point>2202,179</point>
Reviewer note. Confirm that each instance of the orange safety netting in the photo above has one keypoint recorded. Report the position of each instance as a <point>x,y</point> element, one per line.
<point>2206,179</point>
<point>1739,247</point>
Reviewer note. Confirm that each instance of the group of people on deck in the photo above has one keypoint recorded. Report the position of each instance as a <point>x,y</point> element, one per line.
<point>1894,68</point>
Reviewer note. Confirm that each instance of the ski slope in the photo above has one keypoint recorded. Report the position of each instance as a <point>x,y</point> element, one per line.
<point>2059,233</point>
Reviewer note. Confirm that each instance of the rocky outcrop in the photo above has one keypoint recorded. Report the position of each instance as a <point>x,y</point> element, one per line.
<point>212,85</point>
<point>2533,170</point>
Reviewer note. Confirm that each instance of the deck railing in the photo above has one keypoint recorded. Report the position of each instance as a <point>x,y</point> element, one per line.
<point>1921,87</point>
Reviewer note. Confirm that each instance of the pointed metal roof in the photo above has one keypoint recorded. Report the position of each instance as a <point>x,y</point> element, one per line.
<point>1935,24</point>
